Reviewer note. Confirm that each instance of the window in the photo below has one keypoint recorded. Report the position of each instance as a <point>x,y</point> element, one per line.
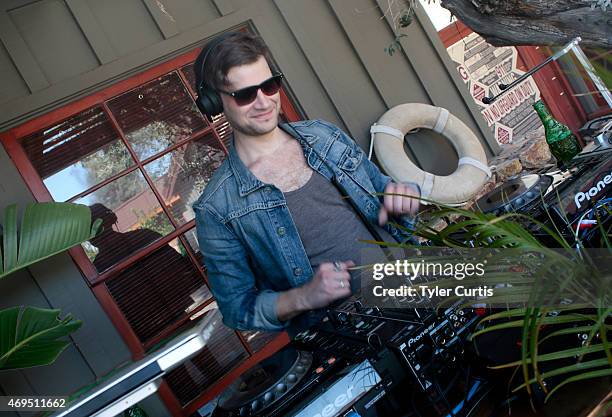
<point>139,154</point>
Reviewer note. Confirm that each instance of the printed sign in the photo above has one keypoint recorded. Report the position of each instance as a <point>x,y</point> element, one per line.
<point>483,67</point>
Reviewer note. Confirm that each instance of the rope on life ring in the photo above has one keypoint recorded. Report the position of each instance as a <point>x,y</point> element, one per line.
<point>455,189</point>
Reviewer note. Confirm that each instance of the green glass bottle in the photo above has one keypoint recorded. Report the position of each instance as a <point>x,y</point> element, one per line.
<point>562,142</point>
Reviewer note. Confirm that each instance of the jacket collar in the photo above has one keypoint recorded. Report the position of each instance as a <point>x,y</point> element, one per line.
<point>247,182</point>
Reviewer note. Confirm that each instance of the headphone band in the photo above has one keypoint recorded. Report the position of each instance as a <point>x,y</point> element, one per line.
<point>211,46</point>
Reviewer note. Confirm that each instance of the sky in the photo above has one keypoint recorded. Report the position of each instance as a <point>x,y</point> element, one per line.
<point>440,17</point>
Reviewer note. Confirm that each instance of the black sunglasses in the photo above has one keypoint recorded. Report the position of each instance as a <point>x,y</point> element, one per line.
<point>247,95</point>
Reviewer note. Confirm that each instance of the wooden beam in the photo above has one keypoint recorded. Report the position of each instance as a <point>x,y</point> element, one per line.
<point>20,53</point>
<point>92,30</point>
<point>224,7</point>
<point>162,17</point>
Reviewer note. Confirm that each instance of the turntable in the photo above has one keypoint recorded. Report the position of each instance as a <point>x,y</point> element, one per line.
<point>265,385</point>
<point>557,198</point>
<point>300,383</point>
<point>515,195</point>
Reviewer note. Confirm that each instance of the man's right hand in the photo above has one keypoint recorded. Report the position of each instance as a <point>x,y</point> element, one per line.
<point>330,282</point>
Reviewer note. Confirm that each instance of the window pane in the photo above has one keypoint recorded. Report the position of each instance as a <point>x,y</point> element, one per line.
<point>157,115</point>
<point>76,153</point>
<point>155,292</point>
<point>181,175</point>
<point>224,352</point>
<point>224,130</point>
<point>192,240</point>
<point>132,219</point>
<point>107,161</point>
<point>187,71</point>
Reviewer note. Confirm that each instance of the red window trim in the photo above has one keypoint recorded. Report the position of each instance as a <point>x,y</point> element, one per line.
<point>10,140</point>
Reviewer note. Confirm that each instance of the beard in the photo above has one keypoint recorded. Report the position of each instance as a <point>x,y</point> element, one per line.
<point>253,127</point>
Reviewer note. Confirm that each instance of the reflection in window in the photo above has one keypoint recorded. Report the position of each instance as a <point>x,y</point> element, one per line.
<point>106,162</point>
<point>180,176</point>
<point>193,244</point>
<point>582,85</point>
<point>222,353</point>
<point>69,154</point>
<point>157,115</point>
<point>155,292</point>
<point>257,339</point>
<point>132,219</point>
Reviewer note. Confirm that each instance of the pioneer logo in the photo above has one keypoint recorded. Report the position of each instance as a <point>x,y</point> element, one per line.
<point>418,337</point>
<point>580,197</point>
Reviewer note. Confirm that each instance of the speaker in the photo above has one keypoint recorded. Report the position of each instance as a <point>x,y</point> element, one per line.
<point>208,100</point>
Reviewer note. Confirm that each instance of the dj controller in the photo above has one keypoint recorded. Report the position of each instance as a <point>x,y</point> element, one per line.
<point>573,200</point>
<point>356,362</point>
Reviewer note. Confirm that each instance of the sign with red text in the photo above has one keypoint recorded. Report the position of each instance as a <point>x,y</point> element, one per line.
<point>483,68</point>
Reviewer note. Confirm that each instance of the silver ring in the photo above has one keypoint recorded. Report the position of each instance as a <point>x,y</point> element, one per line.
<point>337,266</point>
<point>341,284</point>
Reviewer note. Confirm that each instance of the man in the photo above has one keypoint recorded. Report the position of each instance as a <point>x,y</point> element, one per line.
<point>276,229</point>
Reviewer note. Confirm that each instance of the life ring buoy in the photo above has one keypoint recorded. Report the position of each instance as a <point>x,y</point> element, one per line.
<point>388,142</point>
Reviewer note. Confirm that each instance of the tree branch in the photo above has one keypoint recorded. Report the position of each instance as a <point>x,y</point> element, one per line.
<point>534,22</point>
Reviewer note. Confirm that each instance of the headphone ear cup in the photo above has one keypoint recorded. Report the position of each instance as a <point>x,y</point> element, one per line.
<point>209,102</point>
<point>216,103</point>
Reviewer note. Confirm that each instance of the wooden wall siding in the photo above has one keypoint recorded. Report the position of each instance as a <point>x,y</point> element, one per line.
<point>346,51</point>
<point>55,41</point>
<point>339,71</point>
<point>12,85</point>
<point>19,54</point>
<point>128,24</point>
<point>182,15</point>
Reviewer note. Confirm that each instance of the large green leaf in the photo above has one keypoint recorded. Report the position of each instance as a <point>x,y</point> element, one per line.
<point>46,229</point>
<point>29,336</point>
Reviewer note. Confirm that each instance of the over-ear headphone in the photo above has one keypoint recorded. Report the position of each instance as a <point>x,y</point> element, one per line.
<point>208,100</point>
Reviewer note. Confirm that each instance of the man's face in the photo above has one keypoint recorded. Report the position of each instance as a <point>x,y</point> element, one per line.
<point>260,116</point>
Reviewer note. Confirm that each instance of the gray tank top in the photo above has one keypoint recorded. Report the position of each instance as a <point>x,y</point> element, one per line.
<point>328,225</point>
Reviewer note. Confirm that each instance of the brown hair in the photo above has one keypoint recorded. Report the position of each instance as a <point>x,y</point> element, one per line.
<point>228,51</point>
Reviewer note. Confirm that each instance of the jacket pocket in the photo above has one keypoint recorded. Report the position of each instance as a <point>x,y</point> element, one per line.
<point>351,159</point>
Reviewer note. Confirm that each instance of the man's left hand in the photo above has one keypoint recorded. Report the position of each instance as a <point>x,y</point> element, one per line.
<point>399,199</point>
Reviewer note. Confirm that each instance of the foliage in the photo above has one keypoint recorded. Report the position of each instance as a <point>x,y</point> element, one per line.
<point>46,229</point>
<point>29,335</point>
<point>158,222</point>
<point>574,272</point>
<point>603,4</point>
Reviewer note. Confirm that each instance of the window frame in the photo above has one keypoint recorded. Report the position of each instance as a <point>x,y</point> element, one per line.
<point>11,141</point>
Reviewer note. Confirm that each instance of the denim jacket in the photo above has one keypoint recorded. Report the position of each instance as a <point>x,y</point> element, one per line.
<point>250,243</point>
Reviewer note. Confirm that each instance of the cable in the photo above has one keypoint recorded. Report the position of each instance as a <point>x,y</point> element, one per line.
<point>462,404</point>
<point>444,399</point>
<point>467,384</point>
<point>590,213</point>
